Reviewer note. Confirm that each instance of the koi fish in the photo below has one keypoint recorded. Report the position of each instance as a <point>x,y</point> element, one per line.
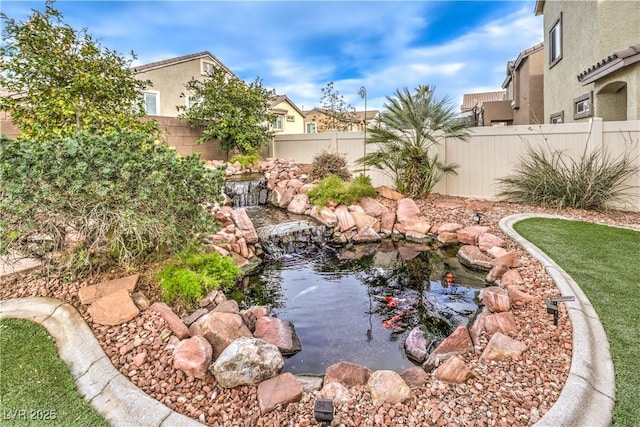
<point>449,278</point>
<point>387,323</point>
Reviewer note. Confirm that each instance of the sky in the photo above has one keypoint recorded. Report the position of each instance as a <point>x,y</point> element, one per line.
<point>297,47</point>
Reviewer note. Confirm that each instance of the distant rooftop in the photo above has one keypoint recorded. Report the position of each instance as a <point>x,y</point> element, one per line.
<point>469,100</point>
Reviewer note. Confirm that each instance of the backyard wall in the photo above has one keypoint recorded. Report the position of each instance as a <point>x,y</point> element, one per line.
<point>490,153</point>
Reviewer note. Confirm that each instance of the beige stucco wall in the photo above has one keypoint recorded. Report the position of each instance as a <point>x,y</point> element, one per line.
<point>295,126</point>
<point>497,111</point>
<point>531,91</point>
<point>591,31</point>
<point>170,81</point>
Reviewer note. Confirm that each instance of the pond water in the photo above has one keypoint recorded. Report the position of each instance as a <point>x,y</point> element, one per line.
<point>358,304</point>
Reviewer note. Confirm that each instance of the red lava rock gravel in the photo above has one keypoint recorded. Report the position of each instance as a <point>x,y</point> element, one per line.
<point>502,393</point>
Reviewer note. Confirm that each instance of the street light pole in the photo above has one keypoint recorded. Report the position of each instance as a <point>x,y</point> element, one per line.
<point>363,94</point>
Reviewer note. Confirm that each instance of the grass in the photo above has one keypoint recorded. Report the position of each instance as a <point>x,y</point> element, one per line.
<point>605,262</point>
<point>36,387</point>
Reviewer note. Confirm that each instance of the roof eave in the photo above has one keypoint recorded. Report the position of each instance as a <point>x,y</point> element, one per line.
<point>607,69</point>
<point>539,8</point>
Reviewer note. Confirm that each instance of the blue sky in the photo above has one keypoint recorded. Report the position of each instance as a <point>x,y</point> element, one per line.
<point>297,47</point>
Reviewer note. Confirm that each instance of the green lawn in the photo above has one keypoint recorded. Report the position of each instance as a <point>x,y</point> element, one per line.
<point>36,387</point>
<point>605,262</point>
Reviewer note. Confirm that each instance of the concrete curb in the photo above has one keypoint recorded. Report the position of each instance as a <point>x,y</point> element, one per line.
<point>588,396</point>
<point>111,394</point>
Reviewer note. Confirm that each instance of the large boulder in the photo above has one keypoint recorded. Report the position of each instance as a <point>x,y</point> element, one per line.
<point>459,342</point>
<point>193,356</point>
<point>338,393</point>
<point>503,322</point>
<point>373,207</point>
<point>348,374</point>
<point>501,347</point>
<point>488,240</point>
<point>220,329</point>
<point>366,234</point>
<point>415,376</point>
<point>299,204</point>
<point>278,390</point>
<point>415,346</point>
<point>473,257</point>
<point>345,219</point>
<point>388,387</point>
<point>454,370</point>
<point>247,361</point>
<point>495,299</point>
<point>278,332</point>
<point>113,309</point>
<point>469,235</point>
<point>407,210</point>
<point>243,222</point>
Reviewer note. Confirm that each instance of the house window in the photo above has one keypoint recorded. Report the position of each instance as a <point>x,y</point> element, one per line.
<point>151,103</point>
<point>291,118</point>
<point>514,93</point>
<point>207,67</point>
<point>278,123</point>
<point>555,42</point>
<point>311,128</point>
<point>557,118</point>
<point>190,101</point>
<point>583,106</point>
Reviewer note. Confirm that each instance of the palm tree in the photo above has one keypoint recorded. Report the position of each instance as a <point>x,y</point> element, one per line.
<point>410,125</point>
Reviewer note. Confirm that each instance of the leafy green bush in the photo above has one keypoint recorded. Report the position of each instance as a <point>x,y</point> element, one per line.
<point>246,160</point>
<point>333,189</point>
<point>194,275</point>
<point>326,163</point>
<point>554,179</point>
<point>95,200</point>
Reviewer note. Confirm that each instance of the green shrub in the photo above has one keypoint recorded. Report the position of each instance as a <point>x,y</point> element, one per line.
<point>326,163</point>
<point>333,189</point>
<point>95,200</point>
<point>246,160</point>
<point>554,179</point>
<point>193,275</point>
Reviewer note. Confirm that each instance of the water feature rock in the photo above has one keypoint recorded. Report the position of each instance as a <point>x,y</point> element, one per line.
<point>454,370</point>
<point>287,197</point>
<point>459,342</point>
<point>415,376</point>
<point>338,393</point>
<point>415,237</point>
<point>487,240</point>
<point>389,193</point>
<point>278,332</point>
<point>469,235</point>
<point>364,220</point>
<point>407,210</point>
<point>495,299</point>
<point>446,238</point>
<point>243,222</point>
<point>299,204</point>
<point>220,329</point>
<point>373,207</point>
<point>511,277</point>
<point>247,361</point>
<point>89,294</point>
<point>366,234</point>
<point>278,390</point>
<point>387,222</point>
<point>497,251</point>
<point>473,257</point>
<point>496,273</point>
<point>325,215</point>
<point>518,296</point>
<point>113,309</point>
<point>212,299</point>
<point>415,345</point>
<point>477,329</point>
<point>227,306</point>
<point>348,374</point>
<point>503,322</point>
<point>193,356</point>
<point>417,226</point>
<point>140,300</point>
<point>388,387</point>
<point>194,316</point>
<point>310,383</point>
<point>449,227</point>
<point>345,220</point>
<point>501,347</point>
<point>509,260</point>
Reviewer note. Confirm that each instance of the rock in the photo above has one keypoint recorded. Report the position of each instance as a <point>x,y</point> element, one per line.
<point>501,347</point>
<point>454,370</point>
<point>500,322</point>
<point>278,332</point>
<point>287,197</point>
<point>510,260</point>
<point>407,210</point>
<point>366,234</point>
<point>449,227</point>
<point>139,359</point>
<point>89,294</point>
<point>415,346</point>
<point>249,319</point>
<point>373,207</point>
<point>415,237</point>
<point>325,215</point>
<point>140,300</point>
<point>459,342</point>
<point>193,356</point>
<point>113,309</point>
<point>174,323</point>
<point>364,220</point>
<point>487,240</point>
<point>446,238</point>
<point>227,306</point>
<point>415,376</point>
<point>511,277</point>
<point>388,387</point>
<point>518,296</point>
<point>348,374</point>
<point>243,222</point>
<point>478,205</point>
<point>212,299</point>
<point>194,316</point>
<point>220,329</point>
<point>495,299</point>
<point>472,257</point>
<point>345,220</point>
<point>277,391</point>
<point>477,329</point>
<point>310,383</point>
<point>338,393</point>
<point>247,361</point>
<point>497,251</point>
<point>388,193</point>
<point>416,225</point>
<point>496,273</point>
<point>469,235</point>
<point>299,204</point>
<point>387,221</point>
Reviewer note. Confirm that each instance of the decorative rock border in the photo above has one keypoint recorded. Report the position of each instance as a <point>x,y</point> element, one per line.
<point>588,395</point>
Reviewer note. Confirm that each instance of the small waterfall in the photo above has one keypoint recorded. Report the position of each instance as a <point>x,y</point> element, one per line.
<point>248,191</point>
<point>291,237</point>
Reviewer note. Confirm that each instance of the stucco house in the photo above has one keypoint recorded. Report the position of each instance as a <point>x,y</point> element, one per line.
<point>592,59</point>
<point>289,118</point>
<point>486,108</point>
<point>524,84</point>
<point>315,120</point>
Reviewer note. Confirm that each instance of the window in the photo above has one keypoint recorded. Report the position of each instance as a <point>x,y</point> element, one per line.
<point>190,101</point>
<point>151,103</point>
<point>583,106</point>
<point>557,118</point>
<point>311,128</point>
<point>278,123</point>
<point>291,118</point>
<point>555,42</point>
<point>207,67</point>
<point>514,93</point>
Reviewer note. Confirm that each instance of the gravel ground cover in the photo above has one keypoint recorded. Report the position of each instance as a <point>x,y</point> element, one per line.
<point>503,393</point>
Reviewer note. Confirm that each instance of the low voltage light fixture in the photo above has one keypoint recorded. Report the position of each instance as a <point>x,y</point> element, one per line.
<point>323,411</point>
<point>477,217</point>
<point>552,306</point>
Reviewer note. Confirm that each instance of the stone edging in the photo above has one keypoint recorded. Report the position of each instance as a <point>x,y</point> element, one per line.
<point>588,396</point>
<point>110,393</point>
